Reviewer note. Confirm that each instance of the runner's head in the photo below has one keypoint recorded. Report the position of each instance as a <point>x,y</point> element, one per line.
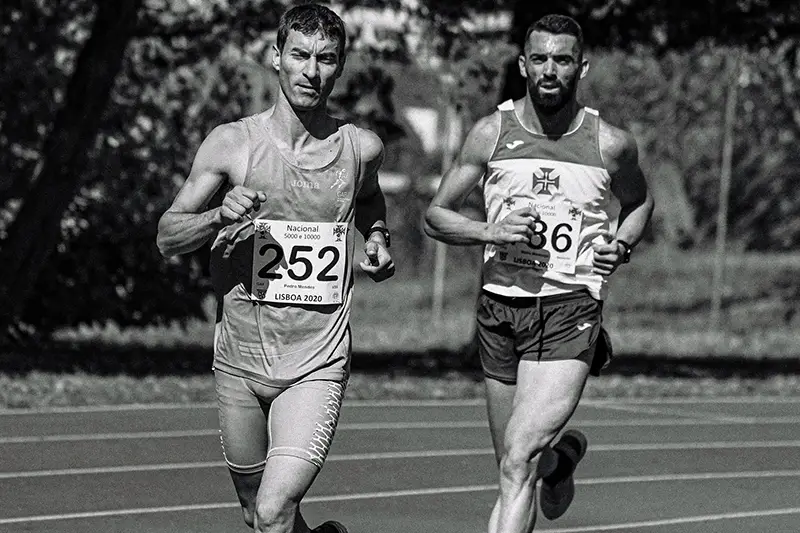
<point>309,54</point>
<point>552,61</point>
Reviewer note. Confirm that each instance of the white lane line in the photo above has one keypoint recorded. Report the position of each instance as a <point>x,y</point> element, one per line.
<point>671,412</point>
<point>697,400</point>
<point>412,454</point>
<point>391,426</point>
<point>403,403</point>
<point>676,521</point>
<point>409,493</point>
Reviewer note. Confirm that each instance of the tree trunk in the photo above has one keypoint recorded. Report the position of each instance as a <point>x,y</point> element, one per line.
<point>35,231</point>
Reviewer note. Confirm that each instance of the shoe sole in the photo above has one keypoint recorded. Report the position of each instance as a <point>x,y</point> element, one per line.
<point>335,525</point>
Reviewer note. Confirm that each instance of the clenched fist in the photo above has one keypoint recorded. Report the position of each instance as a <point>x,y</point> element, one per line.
<point>238,203</point>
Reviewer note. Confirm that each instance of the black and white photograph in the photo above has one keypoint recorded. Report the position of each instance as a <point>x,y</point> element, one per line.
<point>399,266</point>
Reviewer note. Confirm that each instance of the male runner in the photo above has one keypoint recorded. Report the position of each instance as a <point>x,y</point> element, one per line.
<point>565,203</point>
<point>298,181</point>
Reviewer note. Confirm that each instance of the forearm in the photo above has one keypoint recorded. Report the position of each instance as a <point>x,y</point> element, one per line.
<point>370,211</point>
<point>452,227</point>
<point>180,233</point>
<point>633,221</point>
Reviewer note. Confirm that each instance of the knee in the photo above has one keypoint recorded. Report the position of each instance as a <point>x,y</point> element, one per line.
<point>518,463</point>
<point>274,515</point>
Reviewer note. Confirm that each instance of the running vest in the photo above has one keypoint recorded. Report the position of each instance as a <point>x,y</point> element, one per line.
<point>284,280</point>
<point>565,179</point>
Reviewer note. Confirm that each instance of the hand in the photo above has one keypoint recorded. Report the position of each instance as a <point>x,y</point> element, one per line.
<point>378,265</point>
<point>517,226</point>
<point>607,256</point>
<point>238,203</point>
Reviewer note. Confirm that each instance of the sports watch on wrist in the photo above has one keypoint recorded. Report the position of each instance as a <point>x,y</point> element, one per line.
<point>626,254</point>
<point>383,231</point>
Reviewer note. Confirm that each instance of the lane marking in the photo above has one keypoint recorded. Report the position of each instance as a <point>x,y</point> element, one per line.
<point>676,521</point>
<point>671,412</point>
<point>411,454</point>
<point>429,492</point>
<point>377,426</point>
<point>10,411</point>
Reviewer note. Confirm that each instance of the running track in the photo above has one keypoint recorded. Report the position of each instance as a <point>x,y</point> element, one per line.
<point>661,466</point>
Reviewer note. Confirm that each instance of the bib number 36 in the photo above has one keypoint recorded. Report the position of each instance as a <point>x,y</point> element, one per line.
<point>554,244</point>
<point>299,262</point>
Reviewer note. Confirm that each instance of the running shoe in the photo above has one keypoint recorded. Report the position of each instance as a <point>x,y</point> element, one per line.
<point>558,488</point>
<point>330,527</point>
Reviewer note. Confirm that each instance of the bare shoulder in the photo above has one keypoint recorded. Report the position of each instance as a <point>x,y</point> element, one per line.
<point>617,146</point>
<point>371,146</point>
<point>481,140</point>
<point>224,149</point>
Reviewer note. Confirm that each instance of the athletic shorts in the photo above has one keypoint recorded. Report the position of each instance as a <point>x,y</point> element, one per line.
<point>258,421</point>
<point>548,328</point>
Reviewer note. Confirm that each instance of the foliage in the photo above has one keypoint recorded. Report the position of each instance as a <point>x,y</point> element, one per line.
<point>674,102</point>
<point>193,65</point>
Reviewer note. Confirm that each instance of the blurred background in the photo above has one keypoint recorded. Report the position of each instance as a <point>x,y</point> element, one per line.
<point>103,106</point>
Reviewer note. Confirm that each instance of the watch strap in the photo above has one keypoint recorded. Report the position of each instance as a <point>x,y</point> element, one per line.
<point>383,231</point>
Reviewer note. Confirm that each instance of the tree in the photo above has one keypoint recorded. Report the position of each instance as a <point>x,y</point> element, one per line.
<point>117,96</point>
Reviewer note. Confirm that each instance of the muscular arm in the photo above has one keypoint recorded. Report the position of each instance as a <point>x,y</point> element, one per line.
<point>628,183</point>
<point>370,202</point>
<point>220,160</point>
<point>443,221</point>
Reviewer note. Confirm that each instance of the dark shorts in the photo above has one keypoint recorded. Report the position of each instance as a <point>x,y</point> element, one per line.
<point>549,328</point>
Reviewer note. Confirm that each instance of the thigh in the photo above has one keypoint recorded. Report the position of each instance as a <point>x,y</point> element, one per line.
<point>303,419</point>
<point>243,423</point>
<point>546,397</point>
<point>499,403</point>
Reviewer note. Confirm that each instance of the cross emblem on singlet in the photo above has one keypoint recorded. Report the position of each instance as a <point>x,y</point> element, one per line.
<point>339,230</point>
<point>509,202</point>
<point>544,182</point>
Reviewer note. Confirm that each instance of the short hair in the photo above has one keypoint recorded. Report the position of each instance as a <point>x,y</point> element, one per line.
<point>557,24</point>
<point>309,19</point>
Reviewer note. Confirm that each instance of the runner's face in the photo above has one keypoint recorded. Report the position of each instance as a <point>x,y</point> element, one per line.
<point>552,64</point>
<point>308,68</point>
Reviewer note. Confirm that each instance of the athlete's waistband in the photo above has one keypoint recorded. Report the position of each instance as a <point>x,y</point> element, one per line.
<point>528,301</point>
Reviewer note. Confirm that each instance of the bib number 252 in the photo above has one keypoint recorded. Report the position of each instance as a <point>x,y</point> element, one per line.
<point>299,262</point>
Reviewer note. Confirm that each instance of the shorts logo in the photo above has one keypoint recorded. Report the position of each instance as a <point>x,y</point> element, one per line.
<point>584,326</point>
<point>514,144</point>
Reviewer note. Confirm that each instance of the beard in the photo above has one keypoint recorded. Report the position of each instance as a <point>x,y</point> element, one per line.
<point>552,102</point>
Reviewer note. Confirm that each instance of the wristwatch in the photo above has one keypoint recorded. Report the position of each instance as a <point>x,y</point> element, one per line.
<point>383,231</point>
<point>626,254</point>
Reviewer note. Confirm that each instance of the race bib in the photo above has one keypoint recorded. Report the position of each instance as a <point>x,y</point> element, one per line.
<point>554,245</point>
<point>299,262</point>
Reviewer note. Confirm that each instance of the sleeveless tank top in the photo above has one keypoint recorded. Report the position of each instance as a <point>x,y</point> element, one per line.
<point>278,344</point>
<point>565,178</point>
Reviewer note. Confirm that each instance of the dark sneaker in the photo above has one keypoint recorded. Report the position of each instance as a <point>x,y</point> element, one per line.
<point>329,527</point>
<point>558,488</point>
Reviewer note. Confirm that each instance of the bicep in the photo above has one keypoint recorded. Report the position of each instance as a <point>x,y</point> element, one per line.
<point>372,156</point>
<point>469,167</point>
<point>218,162</point>
<point>457,183</point>
<point>628,182</point>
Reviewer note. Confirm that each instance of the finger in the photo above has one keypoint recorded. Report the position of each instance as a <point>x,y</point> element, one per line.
<point>262,196</point>
<point>604,248</point>
<point>230,214</point>
<point>607,235</point>
<point>524,212</point>
<point>246,192</point>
